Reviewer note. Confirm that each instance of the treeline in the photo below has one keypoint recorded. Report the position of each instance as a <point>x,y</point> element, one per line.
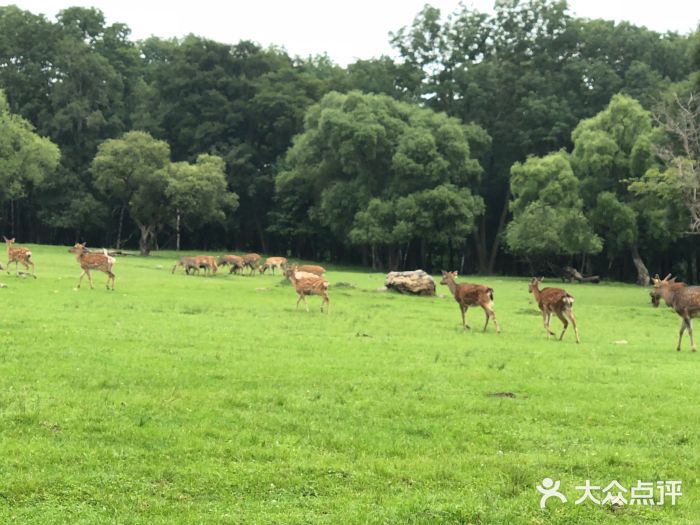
<point>506,142</point>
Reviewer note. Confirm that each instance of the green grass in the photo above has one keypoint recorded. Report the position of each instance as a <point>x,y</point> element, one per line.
<point>182,399</point>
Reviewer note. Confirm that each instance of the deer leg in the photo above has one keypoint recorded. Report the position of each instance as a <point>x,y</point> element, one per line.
<point>90,279</point>
<point>328,304</point>
<point>680,335</point>
<point>80,280</point>
<point>492,314</point>
<point>545,320</point>
<point>464,316</point>
<point>564,321</point>
<point>33,269</point>
<point>570,314</point>
<point>301,296</point>
<point>690,333</point>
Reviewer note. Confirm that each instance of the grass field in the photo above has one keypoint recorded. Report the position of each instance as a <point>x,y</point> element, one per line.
<point>182,399</point>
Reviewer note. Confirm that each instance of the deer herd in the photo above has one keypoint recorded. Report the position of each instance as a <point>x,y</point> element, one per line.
<point>309,280</point>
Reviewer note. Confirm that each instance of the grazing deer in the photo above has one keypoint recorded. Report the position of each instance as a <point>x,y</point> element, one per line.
<point>93,261</point>
<point>685,301</point>
<point>309,284</point>
<point>554,301</point>
<point>234,261</point>
<point>468,295</point>
<point>18,255</point>
<point>655,293</point>
<point>312,268</point>
<point>272,263</point>
<point>208,262</point>
<point>188,263</point>
<point>251,260</point>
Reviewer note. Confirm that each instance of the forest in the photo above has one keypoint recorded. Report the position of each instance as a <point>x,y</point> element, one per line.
<point>509,142</point>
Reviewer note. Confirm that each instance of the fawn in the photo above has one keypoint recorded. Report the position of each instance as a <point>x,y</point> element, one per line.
<point>468,295</point>
<point>18,255</point>
<point>554,301</point>
<point>309,284</point>
<point>272,263</point>
<point>93,261</point>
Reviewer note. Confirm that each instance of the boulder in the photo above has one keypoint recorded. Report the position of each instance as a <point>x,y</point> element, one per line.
<point>415,282</point>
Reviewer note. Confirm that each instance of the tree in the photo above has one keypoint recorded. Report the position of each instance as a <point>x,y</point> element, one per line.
<point>25,157</point>
<point>365,160</point>
<point>198,194</point>
<point>612,150</point>
<point>548,218</point>
<point>130,170</point>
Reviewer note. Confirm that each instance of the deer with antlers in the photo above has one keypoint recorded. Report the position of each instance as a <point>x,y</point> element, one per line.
<point>93,261</point>
<point>655,293</point>
<point>554,301</point>
<point>309,284</point>
<point>685,300</point>
<point>18,255</point>
<point>468,295</point>
<point>274,262</point>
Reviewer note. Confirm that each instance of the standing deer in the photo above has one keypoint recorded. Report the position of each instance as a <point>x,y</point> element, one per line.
<point>272,263</point>
<point>468,295</point>
<point>251,260</point>
<point>655,293</point>
<point>554,301</point>
<point>685,301</point>
<point>309,284</point>
<point>93,261</point>
<point>18,255</point>
<point>208,262</point>
<point>234,261</point>
<point>188,263</point>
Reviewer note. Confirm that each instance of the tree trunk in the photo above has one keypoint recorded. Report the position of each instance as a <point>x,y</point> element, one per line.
<point>121,224</point>
<point>480,244</point>
<point>177,231</point>
<point>642,272</point>
<point>146,240</point>
<point>499,230</point>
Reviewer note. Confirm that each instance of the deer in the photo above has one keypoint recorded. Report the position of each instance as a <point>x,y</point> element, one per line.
<point>235,261</point>
<point>468,295</point>
<point>93,261</point>
<point>208,262</point>
<point>188,263</point>
<point>655,293</point>
<point>554,301</point>
<point>309,284</point>
<point>251,260</point>
<point>18,255</point>
<point>311,268</point>
<point>272,263</point>
<point>685,300</point>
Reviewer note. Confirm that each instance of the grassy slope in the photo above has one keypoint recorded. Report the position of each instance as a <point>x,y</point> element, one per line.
<point>210,400</point>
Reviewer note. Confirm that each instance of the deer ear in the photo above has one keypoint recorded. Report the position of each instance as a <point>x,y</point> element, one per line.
<point>672,279</point>
<point>5,238</point>
<point>667,277</point>
<point>455,273</point>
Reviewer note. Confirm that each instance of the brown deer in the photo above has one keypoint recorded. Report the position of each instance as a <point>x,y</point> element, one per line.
<point>312,268</point>
<point>208,263</point>
<point>251,260</point>
<point>235,261</point>
<point>309,284</point>
<point>93,261</point>
<point>655,293</point>
<point>554,301</point>
<point>468,295</point>
<point>272,263</point>
<point>18,255</point>
<point>685,301</point>
<point>190,264</point>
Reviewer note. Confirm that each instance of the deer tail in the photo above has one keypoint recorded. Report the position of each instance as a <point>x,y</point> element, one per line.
<point>568,300</point>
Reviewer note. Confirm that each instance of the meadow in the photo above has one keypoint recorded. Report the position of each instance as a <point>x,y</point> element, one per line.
<point>179,399</point>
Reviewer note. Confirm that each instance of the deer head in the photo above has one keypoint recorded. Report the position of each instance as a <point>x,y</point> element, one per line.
<point>78,248</point>
<point>448,276</point>
<point>9,242</point>
<point>534,284</point>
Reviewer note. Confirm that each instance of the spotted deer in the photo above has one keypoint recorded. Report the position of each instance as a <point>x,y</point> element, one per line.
<point>468,295</point>
<point>18,255</point>
<point>234,261</point>
<point>554,301</point>
<point>208,263</point>
<point>685,301</point>
<point>274,262</point>
<point>251,260</point>
<point>93,261</point>
<point>309,284</point>
<point>312,268</point>
<point>655,293</point>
